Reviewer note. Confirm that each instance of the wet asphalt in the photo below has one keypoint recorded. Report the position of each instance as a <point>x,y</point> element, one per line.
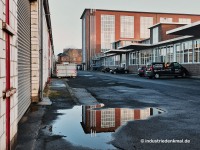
<point>148,114</point>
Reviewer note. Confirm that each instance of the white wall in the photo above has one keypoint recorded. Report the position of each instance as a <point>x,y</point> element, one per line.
<point>45,50</point>
<point>14,78</point>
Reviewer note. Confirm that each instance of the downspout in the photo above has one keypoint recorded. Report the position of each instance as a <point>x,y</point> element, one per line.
<point>7,78</point>
<point>41,50</point>
<point>49,60</point>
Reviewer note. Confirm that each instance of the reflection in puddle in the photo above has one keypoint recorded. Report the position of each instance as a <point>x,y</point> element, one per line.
<point>92,126</point>
<point>87,75</point>
<point>58,85</point>
<point>108,120</point>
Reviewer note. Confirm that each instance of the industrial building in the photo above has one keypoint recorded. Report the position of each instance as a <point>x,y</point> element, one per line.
<point>70,55</point>
<point>165,44</point>
<point>104,32</point>
<point>26,59</point>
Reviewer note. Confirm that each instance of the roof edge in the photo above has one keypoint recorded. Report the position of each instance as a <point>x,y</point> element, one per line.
<point>137,12</point>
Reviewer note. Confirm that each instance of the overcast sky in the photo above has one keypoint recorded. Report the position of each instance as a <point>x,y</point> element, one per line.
<point>66,22</point>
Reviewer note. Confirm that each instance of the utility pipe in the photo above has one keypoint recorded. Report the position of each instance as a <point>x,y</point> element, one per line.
<point>7,77</point>
<point>49,60</point>
<point>41,50</point>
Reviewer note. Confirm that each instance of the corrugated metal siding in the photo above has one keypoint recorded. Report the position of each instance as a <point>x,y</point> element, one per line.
<point>24,56</point>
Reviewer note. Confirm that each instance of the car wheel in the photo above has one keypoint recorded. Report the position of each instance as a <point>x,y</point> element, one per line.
<point>157,76</point>
<point>126,72</point>
<point>183,75</point>
<point>114,72</point>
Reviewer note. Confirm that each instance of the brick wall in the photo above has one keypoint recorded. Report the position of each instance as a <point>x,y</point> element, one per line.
<point>72,56</point>
<point>133,68</point>
<point>194,69</point>
<point>166,27</point>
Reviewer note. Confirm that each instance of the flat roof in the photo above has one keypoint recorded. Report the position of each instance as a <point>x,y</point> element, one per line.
<point>118,51</point>
<point>136,46</point>
<point>136,12</point>
<point>190,29</point>
<point>172,23</point>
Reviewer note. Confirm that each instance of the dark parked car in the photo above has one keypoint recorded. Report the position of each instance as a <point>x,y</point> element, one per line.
<point>141,71</point>
<point>106,70</point>
<point>119,70</point>
<point>157,69</point>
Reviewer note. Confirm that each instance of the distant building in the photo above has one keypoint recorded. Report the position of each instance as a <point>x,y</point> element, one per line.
<point>70,55</point>
<point>100,28</point>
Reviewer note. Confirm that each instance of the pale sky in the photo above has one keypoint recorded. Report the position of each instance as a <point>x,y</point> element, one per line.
<point>66,22</point>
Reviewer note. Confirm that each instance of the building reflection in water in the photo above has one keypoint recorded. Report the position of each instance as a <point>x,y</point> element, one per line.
<point>95,119</point>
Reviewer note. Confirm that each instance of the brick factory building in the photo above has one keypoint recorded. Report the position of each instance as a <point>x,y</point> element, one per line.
<point>100,28</point>
<point>70,55</point>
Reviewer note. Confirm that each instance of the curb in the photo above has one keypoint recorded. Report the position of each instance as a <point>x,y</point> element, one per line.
<point>72,94</point>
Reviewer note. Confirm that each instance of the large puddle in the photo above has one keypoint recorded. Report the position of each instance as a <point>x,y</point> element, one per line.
<point>92,126</point>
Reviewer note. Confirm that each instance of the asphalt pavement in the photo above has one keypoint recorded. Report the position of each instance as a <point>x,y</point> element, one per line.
<point>136,113</point>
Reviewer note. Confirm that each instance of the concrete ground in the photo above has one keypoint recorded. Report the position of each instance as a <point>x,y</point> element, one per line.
<point>35,129</point>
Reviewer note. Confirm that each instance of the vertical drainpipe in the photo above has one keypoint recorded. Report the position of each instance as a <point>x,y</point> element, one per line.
<point>41,50</point>
<point>7,78</point>
<point>49,61</point>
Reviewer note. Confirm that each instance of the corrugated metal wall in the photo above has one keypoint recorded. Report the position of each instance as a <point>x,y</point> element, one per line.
<point>24,56</point>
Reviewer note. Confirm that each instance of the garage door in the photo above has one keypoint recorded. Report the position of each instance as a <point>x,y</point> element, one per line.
<point>24,56</point>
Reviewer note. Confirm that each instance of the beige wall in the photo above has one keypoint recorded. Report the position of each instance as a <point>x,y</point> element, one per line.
<point>34,50</point>
<point>47,50</point>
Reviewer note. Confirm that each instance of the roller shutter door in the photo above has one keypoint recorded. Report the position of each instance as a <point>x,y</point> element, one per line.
<point>24,56</point>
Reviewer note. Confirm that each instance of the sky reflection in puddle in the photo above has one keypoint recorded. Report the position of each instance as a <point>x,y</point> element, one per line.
<point>92,126</point>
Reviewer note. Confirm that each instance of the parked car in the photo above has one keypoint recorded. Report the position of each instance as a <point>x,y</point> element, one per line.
<point>157,69</point>
<point>141,71</point>
<point>106,70</point>
<point>119,70</point>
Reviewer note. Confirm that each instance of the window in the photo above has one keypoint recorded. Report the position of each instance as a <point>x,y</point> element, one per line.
<point>127,26</point>
<point>179,53</point>
<point>145,23</point>
<point>117,60</point>
<point>108,118</point>
<point>126,115</point>
<point>110,61</point>
<point>169,56</point>
<point>185,20</point>
<point>133,58</point>
<point>157,54</point>
<point>165,20</point>
<point>197,51</point>
<point>155,35</point>
<point>107,31</point>
<point>187,51</point>
<point>123,58</point>
<point>146,56</point>
<point>84,40</point>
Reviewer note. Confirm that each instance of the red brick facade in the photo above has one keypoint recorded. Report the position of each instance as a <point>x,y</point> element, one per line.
<point>70,56</point>
<point>88,14</point>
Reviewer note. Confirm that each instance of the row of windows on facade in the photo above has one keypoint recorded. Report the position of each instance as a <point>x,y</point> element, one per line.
<point>108,117</point>
<point>185,52</point>
<point>127,27</point>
